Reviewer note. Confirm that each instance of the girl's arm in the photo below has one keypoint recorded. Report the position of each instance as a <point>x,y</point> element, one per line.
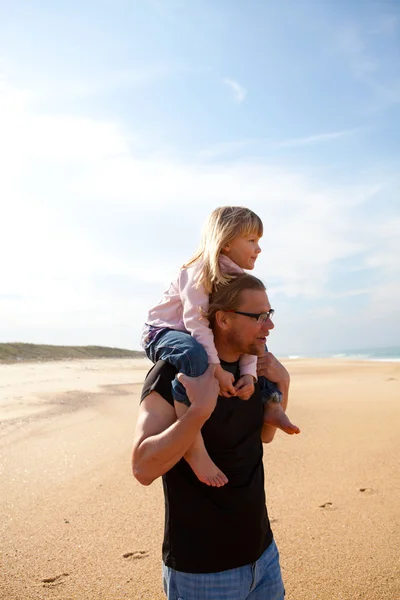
<point>195,303</point>
<point>248,365</point>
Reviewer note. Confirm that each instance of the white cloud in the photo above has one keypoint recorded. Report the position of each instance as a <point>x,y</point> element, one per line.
<point>371,52</point>
<point>352,44</point>
<point>226,148</point>
<point>385,303</point>
<point>238,91</point>
<point>120,79</point>
<point>93,233</point>
<point>324,312</point>
<point>234,147</point>
<point>386,251</point>
<point>27,135</point>
<point>317,138</point>
<point>386,24</point>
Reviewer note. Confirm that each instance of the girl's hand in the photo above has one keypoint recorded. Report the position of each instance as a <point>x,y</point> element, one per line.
<point>225,380</point>
<point>245,387</point>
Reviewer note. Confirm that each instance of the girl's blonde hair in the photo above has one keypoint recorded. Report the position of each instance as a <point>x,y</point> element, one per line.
<point>222,226</point>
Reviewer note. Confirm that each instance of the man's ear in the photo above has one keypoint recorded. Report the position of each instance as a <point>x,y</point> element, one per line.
<point>222,319</point>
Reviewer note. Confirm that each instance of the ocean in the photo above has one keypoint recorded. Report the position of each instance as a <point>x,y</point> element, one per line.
<point>386,354</point>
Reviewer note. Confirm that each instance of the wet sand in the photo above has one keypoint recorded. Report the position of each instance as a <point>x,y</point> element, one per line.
<point>75,525</point>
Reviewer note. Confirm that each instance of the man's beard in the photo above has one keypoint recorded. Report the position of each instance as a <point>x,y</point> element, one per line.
<point>236,343</point>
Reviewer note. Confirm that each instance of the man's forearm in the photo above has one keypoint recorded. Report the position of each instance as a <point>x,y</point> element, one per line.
<point>158,453</point>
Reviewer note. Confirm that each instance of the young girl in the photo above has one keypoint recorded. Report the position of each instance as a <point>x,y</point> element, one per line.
<point>177,331</point>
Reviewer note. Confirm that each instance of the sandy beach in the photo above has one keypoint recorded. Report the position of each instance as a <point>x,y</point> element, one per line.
<point>75,525</point>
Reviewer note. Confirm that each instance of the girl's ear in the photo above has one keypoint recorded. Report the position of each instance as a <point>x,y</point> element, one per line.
<point>226,248</point>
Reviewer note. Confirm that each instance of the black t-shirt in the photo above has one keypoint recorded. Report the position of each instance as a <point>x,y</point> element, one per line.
<point>214,529</point>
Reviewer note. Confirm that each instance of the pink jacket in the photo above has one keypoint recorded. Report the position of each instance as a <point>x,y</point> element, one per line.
<point>181,308</point>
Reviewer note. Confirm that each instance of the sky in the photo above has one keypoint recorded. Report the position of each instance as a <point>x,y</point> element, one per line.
<point>124,123</point>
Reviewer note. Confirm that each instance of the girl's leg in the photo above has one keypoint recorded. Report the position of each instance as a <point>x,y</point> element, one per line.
<point>182,351</point>
<point>189,357</point>
<point>199,459</point>
<point>273,411</point>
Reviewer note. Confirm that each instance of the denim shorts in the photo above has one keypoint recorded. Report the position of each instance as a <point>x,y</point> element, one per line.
<point>261,580</point>
<point>179,349</point>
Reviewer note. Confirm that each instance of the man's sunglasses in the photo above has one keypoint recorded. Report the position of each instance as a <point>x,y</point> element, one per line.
<point>260,317</point>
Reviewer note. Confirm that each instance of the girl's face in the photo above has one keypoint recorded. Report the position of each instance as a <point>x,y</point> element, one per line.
<point>243,251</point>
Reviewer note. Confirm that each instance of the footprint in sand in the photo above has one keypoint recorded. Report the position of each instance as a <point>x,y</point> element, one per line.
<point>367,491</point>
<point>54,581</point>
<point>328,506</point>
<point>137,554</point>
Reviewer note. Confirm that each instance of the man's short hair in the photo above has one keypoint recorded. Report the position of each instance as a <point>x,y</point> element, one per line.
<point>227,297</point>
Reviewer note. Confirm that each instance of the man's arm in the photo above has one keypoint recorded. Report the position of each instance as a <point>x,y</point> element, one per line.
<point>160,439</point>
<point>268,366</point>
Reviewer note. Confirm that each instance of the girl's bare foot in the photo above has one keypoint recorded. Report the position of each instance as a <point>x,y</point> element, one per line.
<point>204,468</point>
<point>276,416</point>
<point>197,456</point>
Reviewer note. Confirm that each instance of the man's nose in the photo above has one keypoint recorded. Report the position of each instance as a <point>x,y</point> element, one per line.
<point>268,325</point>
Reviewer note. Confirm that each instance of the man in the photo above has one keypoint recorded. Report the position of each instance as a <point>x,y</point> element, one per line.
<point>218,544</point>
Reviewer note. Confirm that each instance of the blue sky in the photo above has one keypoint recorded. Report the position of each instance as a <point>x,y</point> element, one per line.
<point>124,123</point>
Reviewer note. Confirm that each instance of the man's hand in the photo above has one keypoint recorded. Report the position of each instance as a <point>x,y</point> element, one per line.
<point>268,366</point>
<point>225,380</point>
<point>202,391</point>
<point>245,387</point>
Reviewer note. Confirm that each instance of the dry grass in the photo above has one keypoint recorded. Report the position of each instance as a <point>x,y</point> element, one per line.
<point>17,352</point>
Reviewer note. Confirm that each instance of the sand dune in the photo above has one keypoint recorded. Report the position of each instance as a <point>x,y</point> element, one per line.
<point>75,525</point>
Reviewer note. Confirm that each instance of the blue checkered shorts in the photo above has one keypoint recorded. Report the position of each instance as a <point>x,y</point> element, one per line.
<point>261,580</point>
